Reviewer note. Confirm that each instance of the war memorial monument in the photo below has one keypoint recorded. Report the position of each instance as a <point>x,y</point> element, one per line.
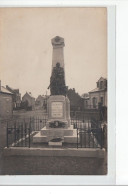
<point>58,129</point>
<point>66,131</point>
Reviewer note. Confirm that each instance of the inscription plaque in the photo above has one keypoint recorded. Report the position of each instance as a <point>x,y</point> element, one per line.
<point>57,109</point>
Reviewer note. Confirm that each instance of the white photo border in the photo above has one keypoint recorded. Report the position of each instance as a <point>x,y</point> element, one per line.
<point>110,178</point>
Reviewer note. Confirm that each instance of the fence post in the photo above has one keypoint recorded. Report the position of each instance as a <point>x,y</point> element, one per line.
<point>7,136</point>
<point>103,133</point>
<point>77,138</point>
<point>15,133</point>
<point>29,131</point>
<point>25,128</point>
<point>101,137</point>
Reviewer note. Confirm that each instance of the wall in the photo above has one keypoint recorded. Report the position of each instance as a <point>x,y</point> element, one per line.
<point>26,165</point>
<point>98,95</point>
<point>86,103</point>
<point>6,105</point>
<point>40,101</point>
<point>31,101</point>
<point>16,96</point>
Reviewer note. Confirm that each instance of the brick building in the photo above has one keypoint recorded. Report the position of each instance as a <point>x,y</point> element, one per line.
<point>6,102</point>
<point>97,96</point>
<point>29,101</point>
<point>40,100</point>
<point>16,97</point>
<point>85,98</point>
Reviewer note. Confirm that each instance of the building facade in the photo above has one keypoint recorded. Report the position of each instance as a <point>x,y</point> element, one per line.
<point>98,96</point>
<point>40,101</point>
<point>16,97</point>
<point>6,103</point>
<point>85,98</point>
<point>28,101</point>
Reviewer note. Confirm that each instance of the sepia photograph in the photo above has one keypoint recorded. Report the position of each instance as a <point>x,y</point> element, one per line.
<point>53,91</point>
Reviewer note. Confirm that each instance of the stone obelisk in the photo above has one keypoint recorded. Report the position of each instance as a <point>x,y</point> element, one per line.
<point>58,103</point>
<point>58,51</point>
<point>57,81</point>
<point>58,127</point>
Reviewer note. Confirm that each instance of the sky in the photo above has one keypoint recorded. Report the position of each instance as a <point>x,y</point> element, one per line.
<point>26,49</point>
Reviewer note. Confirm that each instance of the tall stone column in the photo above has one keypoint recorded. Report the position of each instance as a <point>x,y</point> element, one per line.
<point>57,81</point>
<point>58,51</point>
<point>58,126</point>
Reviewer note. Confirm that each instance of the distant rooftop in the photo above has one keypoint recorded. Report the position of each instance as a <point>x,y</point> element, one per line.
<point>101,78</point>
<point>4,90</point>
<point>85,96</point>
<point>30,94</point>
<point>96,90</point>
<point>11,88</point>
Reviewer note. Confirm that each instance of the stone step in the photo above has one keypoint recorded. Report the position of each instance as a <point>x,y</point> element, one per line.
<point>73,138</point>
<point>70,139</point>
<point>38,138</point>
<point>55,144</point>
<point>57,132</point>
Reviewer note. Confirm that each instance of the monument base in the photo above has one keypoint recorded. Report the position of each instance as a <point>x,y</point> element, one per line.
<point>55,144</point>
<point>58,108</point>
<point>51,136</point>
<point>58,129</point>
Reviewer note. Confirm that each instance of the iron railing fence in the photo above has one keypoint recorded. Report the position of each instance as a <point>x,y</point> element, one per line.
<point>89,131</point>
<point>91,106</point>
<point>85,115</point>
<point>91,138</point>
<point>37,123</point>
<point>18,134</point>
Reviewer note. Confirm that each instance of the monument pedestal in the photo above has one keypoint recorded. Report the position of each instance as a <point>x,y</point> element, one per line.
<point>49,135</point>
<point>58,129</point>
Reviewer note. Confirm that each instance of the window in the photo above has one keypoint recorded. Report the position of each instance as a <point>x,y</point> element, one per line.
<point>94,100</point>
<point>101,84</point>
<point>86,103</point>
<point>102,100</point>
<point>106,83</point>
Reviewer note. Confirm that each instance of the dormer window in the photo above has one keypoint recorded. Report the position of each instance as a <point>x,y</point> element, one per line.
<point>101,85</point>
<point>106,83</point>
<point>102,100</point>
<point>97,84</point>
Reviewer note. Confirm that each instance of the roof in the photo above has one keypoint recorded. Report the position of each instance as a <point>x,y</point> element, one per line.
<point>97,90</point>
<point>29,94</point>
<point>41,97</point>
<point>12,88</point>
<point>101,78</point>
<point>4,90</point>
<point>86,98</point>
